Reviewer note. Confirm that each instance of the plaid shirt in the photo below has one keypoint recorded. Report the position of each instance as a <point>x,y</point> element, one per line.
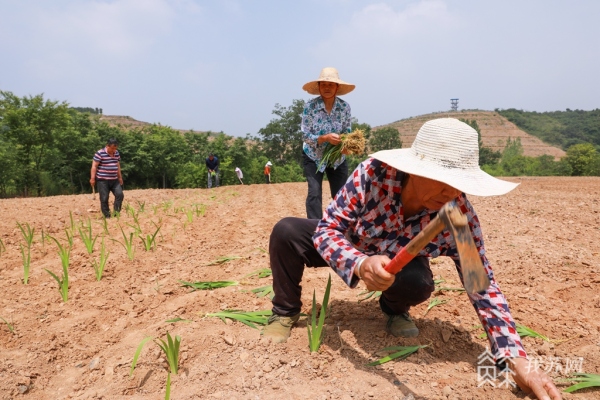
<point>366,218</point>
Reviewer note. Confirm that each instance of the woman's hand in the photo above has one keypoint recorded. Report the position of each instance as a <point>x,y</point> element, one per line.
<point>532,380</point>
<point>374,275</point>
<point>332,138</point>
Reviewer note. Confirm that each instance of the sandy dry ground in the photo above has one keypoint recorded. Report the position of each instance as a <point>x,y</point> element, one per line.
<point>542,240</point>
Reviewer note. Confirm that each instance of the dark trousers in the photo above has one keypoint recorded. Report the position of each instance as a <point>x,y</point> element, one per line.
<point>267,179</point>
<point>314,200</point>
<point>104,188</point>
<point>291,248</point>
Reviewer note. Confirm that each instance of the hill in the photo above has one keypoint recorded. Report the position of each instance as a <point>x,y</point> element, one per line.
<point>128,122</point>
<point>495,131</point>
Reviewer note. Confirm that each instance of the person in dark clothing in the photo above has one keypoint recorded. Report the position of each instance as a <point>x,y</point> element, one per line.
<point>106,172</point>
<point>212,164</point>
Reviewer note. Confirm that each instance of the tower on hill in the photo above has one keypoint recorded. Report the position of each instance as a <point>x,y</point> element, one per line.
<point>454,104</point>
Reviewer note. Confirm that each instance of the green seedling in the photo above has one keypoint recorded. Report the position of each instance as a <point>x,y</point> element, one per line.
<point>72,226</point>
<point>2,247</point>
<point>141,206</point>
<point>171,350</point>
<point>223,260</point>
<point>434,302</point>
<point>190,215</point>
<point>178,319</point>
<point>200,209</point>
<point>245,317</point>
<point>154,208</point>
<point>315,329</point>
<point>166,205</point>
<point>399,352</point>
<point>262,250</point>
<point>208,285</point>
<point>127,244</point>
<point>264,291</point>
<point>99,265</point>
<point>105,225</point>
<point>129,210</point>
<point>69,238</point>
<point>524,331</point>
<point>437,282</point>
<point>583,381</point>
<point>9,326</point>
<point>150,240</point>
<point>369,294</point>
<point>262,273</point>
<point>451,289</point>
<point>63,283</point>
<point>26,263</point>
<point>85,233</point>
<point>27,232</point>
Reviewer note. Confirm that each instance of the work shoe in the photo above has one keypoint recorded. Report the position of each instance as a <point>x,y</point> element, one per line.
<point>278,328</point>
<point>401,325</point>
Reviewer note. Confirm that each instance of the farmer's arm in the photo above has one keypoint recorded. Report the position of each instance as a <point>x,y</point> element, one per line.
<point>493,312</point>
<point>119,173</point>
<point>93,171</point>
<point>330,238</point>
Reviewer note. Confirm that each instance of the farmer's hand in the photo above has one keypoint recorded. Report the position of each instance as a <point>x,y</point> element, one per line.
<point>374,275</point>
<point>92,181</point>
<point>121,181</point>
<point>332,138</point>
<point>532,380</point>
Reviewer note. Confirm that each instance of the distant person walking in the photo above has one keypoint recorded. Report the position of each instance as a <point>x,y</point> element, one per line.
<point>268,172</point>
<point>212,164</point>
<point>239,174</point>
<point>106,173</point>
<point>323,120</point>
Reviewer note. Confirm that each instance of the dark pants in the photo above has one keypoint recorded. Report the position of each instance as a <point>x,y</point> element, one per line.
<point>314,200</point>
<point>104,188</point>
<point>267,179</point>
<point>291,248</point>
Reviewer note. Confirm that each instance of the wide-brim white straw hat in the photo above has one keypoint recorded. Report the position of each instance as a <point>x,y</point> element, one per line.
<point>447,150</point>
<point>329,74</point>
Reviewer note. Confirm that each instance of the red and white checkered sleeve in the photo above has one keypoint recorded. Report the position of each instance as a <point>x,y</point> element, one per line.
<point>330,236</point>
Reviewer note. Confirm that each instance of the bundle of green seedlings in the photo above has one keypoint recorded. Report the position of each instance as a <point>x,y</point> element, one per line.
<point>208,285</point>
<point>398,352</point>
<point>351,143</point>
<point>171,350</point>
<point>245,317</point>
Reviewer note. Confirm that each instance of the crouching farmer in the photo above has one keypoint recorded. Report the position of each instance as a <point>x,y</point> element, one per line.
<point>386,202</point>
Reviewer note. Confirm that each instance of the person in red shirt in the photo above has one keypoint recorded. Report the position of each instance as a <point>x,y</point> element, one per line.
<point>268,172</point>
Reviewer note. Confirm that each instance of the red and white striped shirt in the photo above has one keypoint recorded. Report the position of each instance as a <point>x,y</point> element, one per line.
<point>108,166</point>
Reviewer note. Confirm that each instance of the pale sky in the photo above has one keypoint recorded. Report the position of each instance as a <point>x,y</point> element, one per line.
<point>221,65</point>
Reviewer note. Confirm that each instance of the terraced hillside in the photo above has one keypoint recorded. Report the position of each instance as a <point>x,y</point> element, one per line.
<point>495,131</point>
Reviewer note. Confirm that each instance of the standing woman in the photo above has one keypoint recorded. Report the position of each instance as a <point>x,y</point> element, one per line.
<point>323,120</point>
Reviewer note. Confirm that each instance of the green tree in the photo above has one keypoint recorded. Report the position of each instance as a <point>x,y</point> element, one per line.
<point>582,158</point>
<point>281,139</point>
<point>384,139</point>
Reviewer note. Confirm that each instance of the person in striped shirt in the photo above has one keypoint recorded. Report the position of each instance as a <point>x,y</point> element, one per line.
<point>106,173</point>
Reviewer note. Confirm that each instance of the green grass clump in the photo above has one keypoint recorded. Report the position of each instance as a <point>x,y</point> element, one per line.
<point>149,241</point>
<point>249,318</point>
<point>264,291</point>
<point>583,381</point>
<point>63,283</point>
<point>366,295</point>
<point>170,348</point>
<point>524,331</point>
<point>315,329</point>
<point>262,273</point>
<point>101,263</point>
<point>208,285</point>
<point>434,302</point>
<point>86,236</point>
<point>223,260</point>
<point>399,352</point>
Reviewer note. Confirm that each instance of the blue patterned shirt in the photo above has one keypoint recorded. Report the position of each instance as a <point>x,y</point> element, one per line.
<point>366,218</point>
<point>316,122</point>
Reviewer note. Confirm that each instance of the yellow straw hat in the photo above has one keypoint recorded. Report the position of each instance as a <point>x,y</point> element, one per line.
<point>329,74</point>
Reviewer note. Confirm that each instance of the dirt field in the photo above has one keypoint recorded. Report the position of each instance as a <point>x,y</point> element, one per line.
<point>542,240</point>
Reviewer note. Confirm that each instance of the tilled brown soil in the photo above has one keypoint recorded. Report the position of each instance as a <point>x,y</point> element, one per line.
<point>542,240</point>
